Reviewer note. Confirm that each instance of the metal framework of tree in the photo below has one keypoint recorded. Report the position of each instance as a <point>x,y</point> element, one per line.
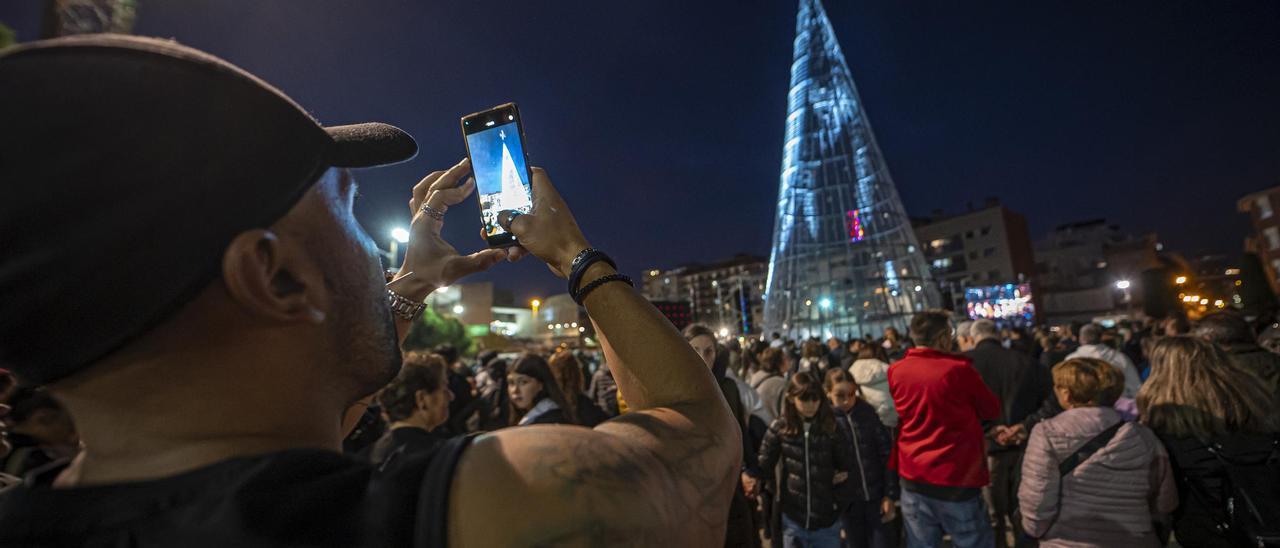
<point>845,261</point>
<point>64,17</point>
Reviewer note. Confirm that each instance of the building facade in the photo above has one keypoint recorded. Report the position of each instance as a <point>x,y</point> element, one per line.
<point>1265,239</point>
<point>1091,269</point>
<point>979,248</point>
<point>726,295</point>
<point>844,259</point>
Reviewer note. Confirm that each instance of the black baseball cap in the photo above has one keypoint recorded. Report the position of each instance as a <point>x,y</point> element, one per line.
<point>127,165</point>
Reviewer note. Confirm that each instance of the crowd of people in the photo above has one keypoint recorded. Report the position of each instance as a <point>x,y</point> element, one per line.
<point>1134,434</point>
<point>210,404</point>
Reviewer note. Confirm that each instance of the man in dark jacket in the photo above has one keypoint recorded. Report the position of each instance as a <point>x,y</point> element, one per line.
<point>1232,333</point>
<point>940,452</point>
<point>1021,385</point>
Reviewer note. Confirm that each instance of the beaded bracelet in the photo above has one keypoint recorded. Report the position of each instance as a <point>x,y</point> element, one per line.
<point>581,295</point>
<point>578,267</point>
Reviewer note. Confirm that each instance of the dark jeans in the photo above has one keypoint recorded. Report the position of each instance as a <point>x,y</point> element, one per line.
<point>1002,497</point>
<point>862,526</point>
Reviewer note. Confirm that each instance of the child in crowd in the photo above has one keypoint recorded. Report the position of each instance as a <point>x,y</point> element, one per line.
<point>868,496</point>
<point>815,459</point>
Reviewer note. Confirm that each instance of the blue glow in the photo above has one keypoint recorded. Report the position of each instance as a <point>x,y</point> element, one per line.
<point>502,178</point>
<point>841,231</point>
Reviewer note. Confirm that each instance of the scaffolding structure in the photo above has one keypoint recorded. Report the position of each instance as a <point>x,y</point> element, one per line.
<point>66,17</point>
<point>845,261</point>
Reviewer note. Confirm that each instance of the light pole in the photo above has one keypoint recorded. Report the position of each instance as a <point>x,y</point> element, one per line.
<point>399,235</point>
<point>1123,285</point>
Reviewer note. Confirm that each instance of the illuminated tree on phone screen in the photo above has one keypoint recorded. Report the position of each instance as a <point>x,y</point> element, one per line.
<point>513,195</point>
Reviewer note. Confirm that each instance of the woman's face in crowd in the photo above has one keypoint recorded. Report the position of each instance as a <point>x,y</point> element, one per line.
<point>436,404</point>
<point>705,346</point>
<point>523,390</point>
<point>806,405</point>
<point>843,395</point>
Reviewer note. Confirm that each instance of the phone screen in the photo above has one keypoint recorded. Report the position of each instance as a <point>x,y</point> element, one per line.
<point>495,143</point>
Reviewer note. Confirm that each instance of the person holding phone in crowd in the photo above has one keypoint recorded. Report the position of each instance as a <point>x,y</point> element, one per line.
<point>185,160</point>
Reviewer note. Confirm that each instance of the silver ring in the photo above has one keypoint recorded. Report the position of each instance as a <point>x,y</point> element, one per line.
<point>432,212</point>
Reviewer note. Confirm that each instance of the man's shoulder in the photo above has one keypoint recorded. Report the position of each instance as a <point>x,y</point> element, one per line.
<point>245,501</point>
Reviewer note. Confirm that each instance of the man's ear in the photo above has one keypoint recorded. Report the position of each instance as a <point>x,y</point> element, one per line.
<point>267,281</point>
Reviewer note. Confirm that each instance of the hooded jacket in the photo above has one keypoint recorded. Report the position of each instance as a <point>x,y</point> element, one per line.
<point>872,376</point>
<point>1117,359</point>
<point>1110,499</point>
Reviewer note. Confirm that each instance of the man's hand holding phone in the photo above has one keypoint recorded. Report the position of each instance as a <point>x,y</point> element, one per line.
<point>549,232</point>
<point>430,262</point>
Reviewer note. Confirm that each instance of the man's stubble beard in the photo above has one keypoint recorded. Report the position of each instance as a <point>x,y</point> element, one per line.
<point>363,330</point>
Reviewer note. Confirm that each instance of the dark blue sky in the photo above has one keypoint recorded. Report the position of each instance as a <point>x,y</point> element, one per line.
<point>661,121</point>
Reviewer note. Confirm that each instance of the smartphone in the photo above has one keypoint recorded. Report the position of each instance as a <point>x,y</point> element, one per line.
<point>495,144</point>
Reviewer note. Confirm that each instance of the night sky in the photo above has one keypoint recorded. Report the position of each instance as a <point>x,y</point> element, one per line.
<point>661,122</point>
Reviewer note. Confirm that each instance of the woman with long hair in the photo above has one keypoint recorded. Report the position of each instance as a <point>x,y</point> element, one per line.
<point>1200,403</point>
<point>740,529</point>
<point>770,381</point>
<point>568,373</point>
<point>868,495</point>
<point>814,458</point>
<point>534,394</point>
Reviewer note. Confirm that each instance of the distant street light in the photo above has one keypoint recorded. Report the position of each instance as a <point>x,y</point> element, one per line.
<point>724,332</point>
<point>457,309</point>
<point>400,235</point>
<point>1180,280</point>
<point>1122,284</point>
<point>825,303</point>
<point>534,304</point>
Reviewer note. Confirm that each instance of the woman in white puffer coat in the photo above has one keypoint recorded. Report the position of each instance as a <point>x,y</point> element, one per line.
<point>871,372</point>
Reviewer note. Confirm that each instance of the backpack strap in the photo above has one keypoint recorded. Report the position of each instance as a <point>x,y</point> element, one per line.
<point>1088,449</point>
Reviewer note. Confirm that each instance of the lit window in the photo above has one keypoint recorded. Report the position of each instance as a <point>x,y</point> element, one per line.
<point>1264,207</point>
<point>1273,237</point>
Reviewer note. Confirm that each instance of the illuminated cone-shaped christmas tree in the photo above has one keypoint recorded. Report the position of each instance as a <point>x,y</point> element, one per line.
<point>845,261</point>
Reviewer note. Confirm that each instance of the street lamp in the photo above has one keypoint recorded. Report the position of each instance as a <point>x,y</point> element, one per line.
<point>1180,280</point>
<point>1122,284</point>
<point>534,304</point>
<point>398,236</point>
<point>458,309</point>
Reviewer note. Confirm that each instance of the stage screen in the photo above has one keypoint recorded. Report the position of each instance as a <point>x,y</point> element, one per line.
<point>1008,304</point>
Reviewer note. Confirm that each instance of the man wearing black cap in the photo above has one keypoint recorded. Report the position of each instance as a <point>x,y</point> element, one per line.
<point>181,267</point>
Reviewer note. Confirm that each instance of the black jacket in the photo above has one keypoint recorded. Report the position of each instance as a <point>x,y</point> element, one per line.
<point>809,464</point>
<point>399,443</point>
<point>589,415</point>
<point>1260,362</point>
<point>870,479</point>
<point>1200,475</point>
<point>1021,384</point>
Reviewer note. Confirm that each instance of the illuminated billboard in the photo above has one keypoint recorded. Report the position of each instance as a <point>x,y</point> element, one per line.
<point>1007,304</point>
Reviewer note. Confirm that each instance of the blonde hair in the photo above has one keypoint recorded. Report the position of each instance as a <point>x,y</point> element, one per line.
<point>1196,390</point>
<point>1089,381</point>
